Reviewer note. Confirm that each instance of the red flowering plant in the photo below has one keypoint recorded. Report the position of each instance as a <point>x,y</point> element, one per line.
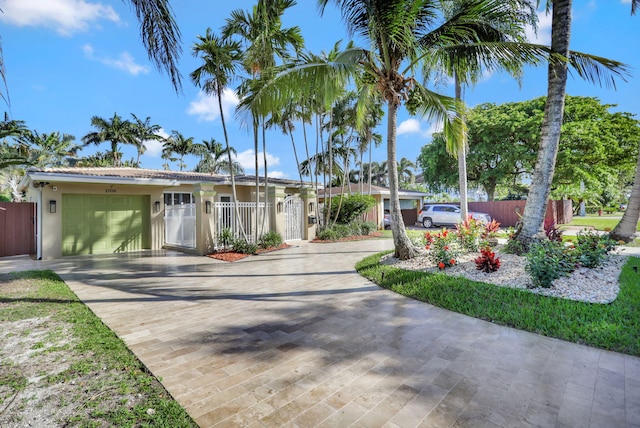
<point>469,233</point>
<point>442,248</point>
<point>487,262</point>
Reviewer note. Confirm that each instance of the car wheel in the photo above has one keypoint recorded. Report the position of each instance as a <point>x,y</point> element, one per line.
<point>426,222</point>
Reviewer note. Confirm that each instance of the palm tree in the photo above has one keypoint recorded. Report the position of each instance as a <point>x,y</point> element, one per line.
<point>13,154</point>
<point>220,59</point>
<point>114,130</point>
<point>211,155</point>
<point>52,149</point>
<point>144,131</point>
<point>626,229</point>
<point>264,41</point>
<point>180,145</point>
<point>536,206</point>
<point>405,170</point>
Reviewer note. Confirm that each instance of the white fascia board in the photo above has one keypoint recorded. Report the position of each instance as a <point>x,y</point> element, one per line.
<point>74,178</point>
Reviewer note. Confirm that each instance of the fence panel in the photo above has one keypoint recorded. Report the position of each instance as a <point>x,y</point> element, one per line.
<point>250,219</point>
<point>17,224</point>
<point>509,212</point>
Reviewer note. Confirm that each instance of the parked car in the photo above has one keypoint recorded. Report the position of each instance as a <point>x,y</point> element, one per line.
<point>440,215</point>
<point>386,221</point>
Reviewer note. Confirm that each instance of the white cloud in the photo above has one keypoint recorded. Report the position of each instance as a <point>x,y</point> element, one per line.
<point>277,174</point>
<point>154,147</point>
<point>63,16</point>
<point>247,160</point>
<point>409,126</point>
<point>205,107</point>
<point>543,35</point>
<point>124,62</point>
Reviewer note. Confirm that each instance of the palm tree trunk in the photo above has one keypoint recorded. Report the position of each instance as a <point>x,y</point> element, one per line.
<point>404,249</point>
<point>257,165</point>
<point>536,206</point>
<point>234,192</point>
<point>330,151</point>
<point>295,155</point>
<point>369,168</point>
<point>266,176</point>
<point>626,230</point>
<point>462,161</point>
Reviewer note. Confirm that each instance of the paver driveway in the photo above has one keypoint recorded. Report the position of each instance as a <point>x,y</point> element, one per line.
<point>297,338</point>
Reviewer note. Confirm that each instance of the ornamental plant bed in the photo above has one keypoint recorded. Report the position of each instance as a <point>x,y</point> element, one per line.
<point>233,256</point>
<point>349,238</point>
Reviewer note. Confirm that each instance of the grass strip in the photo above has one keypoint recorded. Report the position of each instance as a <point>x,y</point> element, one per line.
<point>614,326</point>
<point>113,387</point>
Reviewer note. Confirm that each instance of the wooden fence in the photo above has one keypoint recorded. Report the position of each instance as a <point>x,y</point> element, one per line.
<point>509,212</point>
<point>17,221</point>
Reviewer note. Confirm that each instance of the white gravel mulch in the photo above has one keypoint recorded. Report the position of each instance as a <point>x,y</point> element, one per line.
<point>599,285</point>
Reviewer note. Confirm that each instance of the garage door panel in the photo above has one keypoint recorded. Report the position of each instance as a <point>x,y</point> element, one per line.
<point>99,224</point>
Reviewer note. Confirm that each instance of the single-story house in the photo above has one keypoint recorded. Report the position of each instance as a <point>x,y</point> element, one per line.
<point>410,201</point>
<point>109,210</point>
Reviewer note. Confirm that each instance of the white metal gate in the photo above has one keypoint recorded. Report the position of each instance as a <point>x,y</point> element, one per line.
<point>180,225</point>
<point>293,213</point>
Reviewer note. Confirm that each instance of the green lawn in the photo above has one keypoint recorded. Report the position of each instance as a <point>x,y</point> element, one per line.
<point>599,223</point>
<point>615,326</point>
<point>87,374</point>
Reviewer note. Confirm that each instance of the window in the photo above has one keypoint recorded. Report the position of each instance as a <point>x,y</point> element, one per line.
<point>178,198</point>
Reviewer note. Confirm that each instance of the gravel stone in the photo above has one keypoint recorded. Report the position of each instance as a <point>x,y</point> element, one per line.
<point>599,285</point>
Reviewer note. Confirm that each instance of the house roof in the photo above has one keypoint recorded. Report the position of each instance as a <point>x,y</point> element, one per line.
<point>375,190</point>
<point>138,176</point>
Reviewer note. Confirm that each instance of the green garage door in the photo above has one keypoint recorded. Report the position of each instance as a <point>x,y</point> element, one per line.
<point>101,224</point>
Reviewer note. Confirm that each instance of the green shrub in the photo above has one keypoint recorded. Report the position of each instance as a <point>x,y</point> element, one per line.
<point>327,235</point>
<point>343,230</point>
<point>367,227</point>
<point>352,207</point>
<point>270,239</point>
<point>547,261</point>
<point>226,237</point>
<point>244,247</point>
<point>591,248</point>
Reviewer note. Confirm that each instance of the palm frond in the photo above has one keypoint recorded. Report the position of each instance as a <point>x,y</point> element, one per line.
<point>598,70</point>
<point>160,36</point>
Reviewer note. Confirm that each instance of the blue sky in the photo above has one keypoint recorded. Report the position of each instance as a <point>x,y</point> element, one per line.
<point>68,60</point>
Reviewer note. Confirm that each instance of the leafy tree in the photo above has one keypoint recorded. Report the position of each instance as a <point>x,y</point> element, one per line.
<point>595,145</point>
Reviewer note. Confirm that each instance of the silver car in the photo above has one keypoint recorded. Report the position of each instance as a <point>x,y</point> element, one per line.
<point>438,215</point>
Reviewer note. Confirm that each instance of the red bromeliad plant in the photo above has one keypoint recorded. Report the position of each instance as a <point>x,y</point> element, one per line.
<point>487,262</point>
<point>443,248</point>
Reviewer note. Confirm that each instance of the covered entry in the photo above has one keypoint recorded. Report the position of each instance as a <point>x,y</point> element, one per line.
<point>102,224</point>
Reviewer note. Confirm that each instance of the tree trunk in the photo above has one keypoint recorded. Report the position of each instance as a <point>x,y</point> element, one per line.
<point>257,179</point>
<point>234,192</point>
<point>404,249</point>
<point>462,162</point>
<point>626,230</point>
<point>536,206</point>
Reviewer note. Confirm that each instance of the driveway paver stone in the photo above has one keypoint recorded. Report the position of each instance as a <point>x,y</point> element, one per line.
<point>298,338</point>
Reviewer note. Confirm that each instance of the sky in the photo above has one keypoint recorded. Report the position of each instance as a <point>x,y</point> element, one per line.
<point>69,60</point>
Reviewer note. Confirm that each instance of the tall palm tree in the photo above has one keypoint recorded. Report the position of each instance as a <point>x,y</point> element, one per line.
<point>180,145</point>
<point>143,131</point>
<point>264,40</point>
<point>115,130</point>
<point>220,59</point>
<point>534,212</point>
<point>212,159</point>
